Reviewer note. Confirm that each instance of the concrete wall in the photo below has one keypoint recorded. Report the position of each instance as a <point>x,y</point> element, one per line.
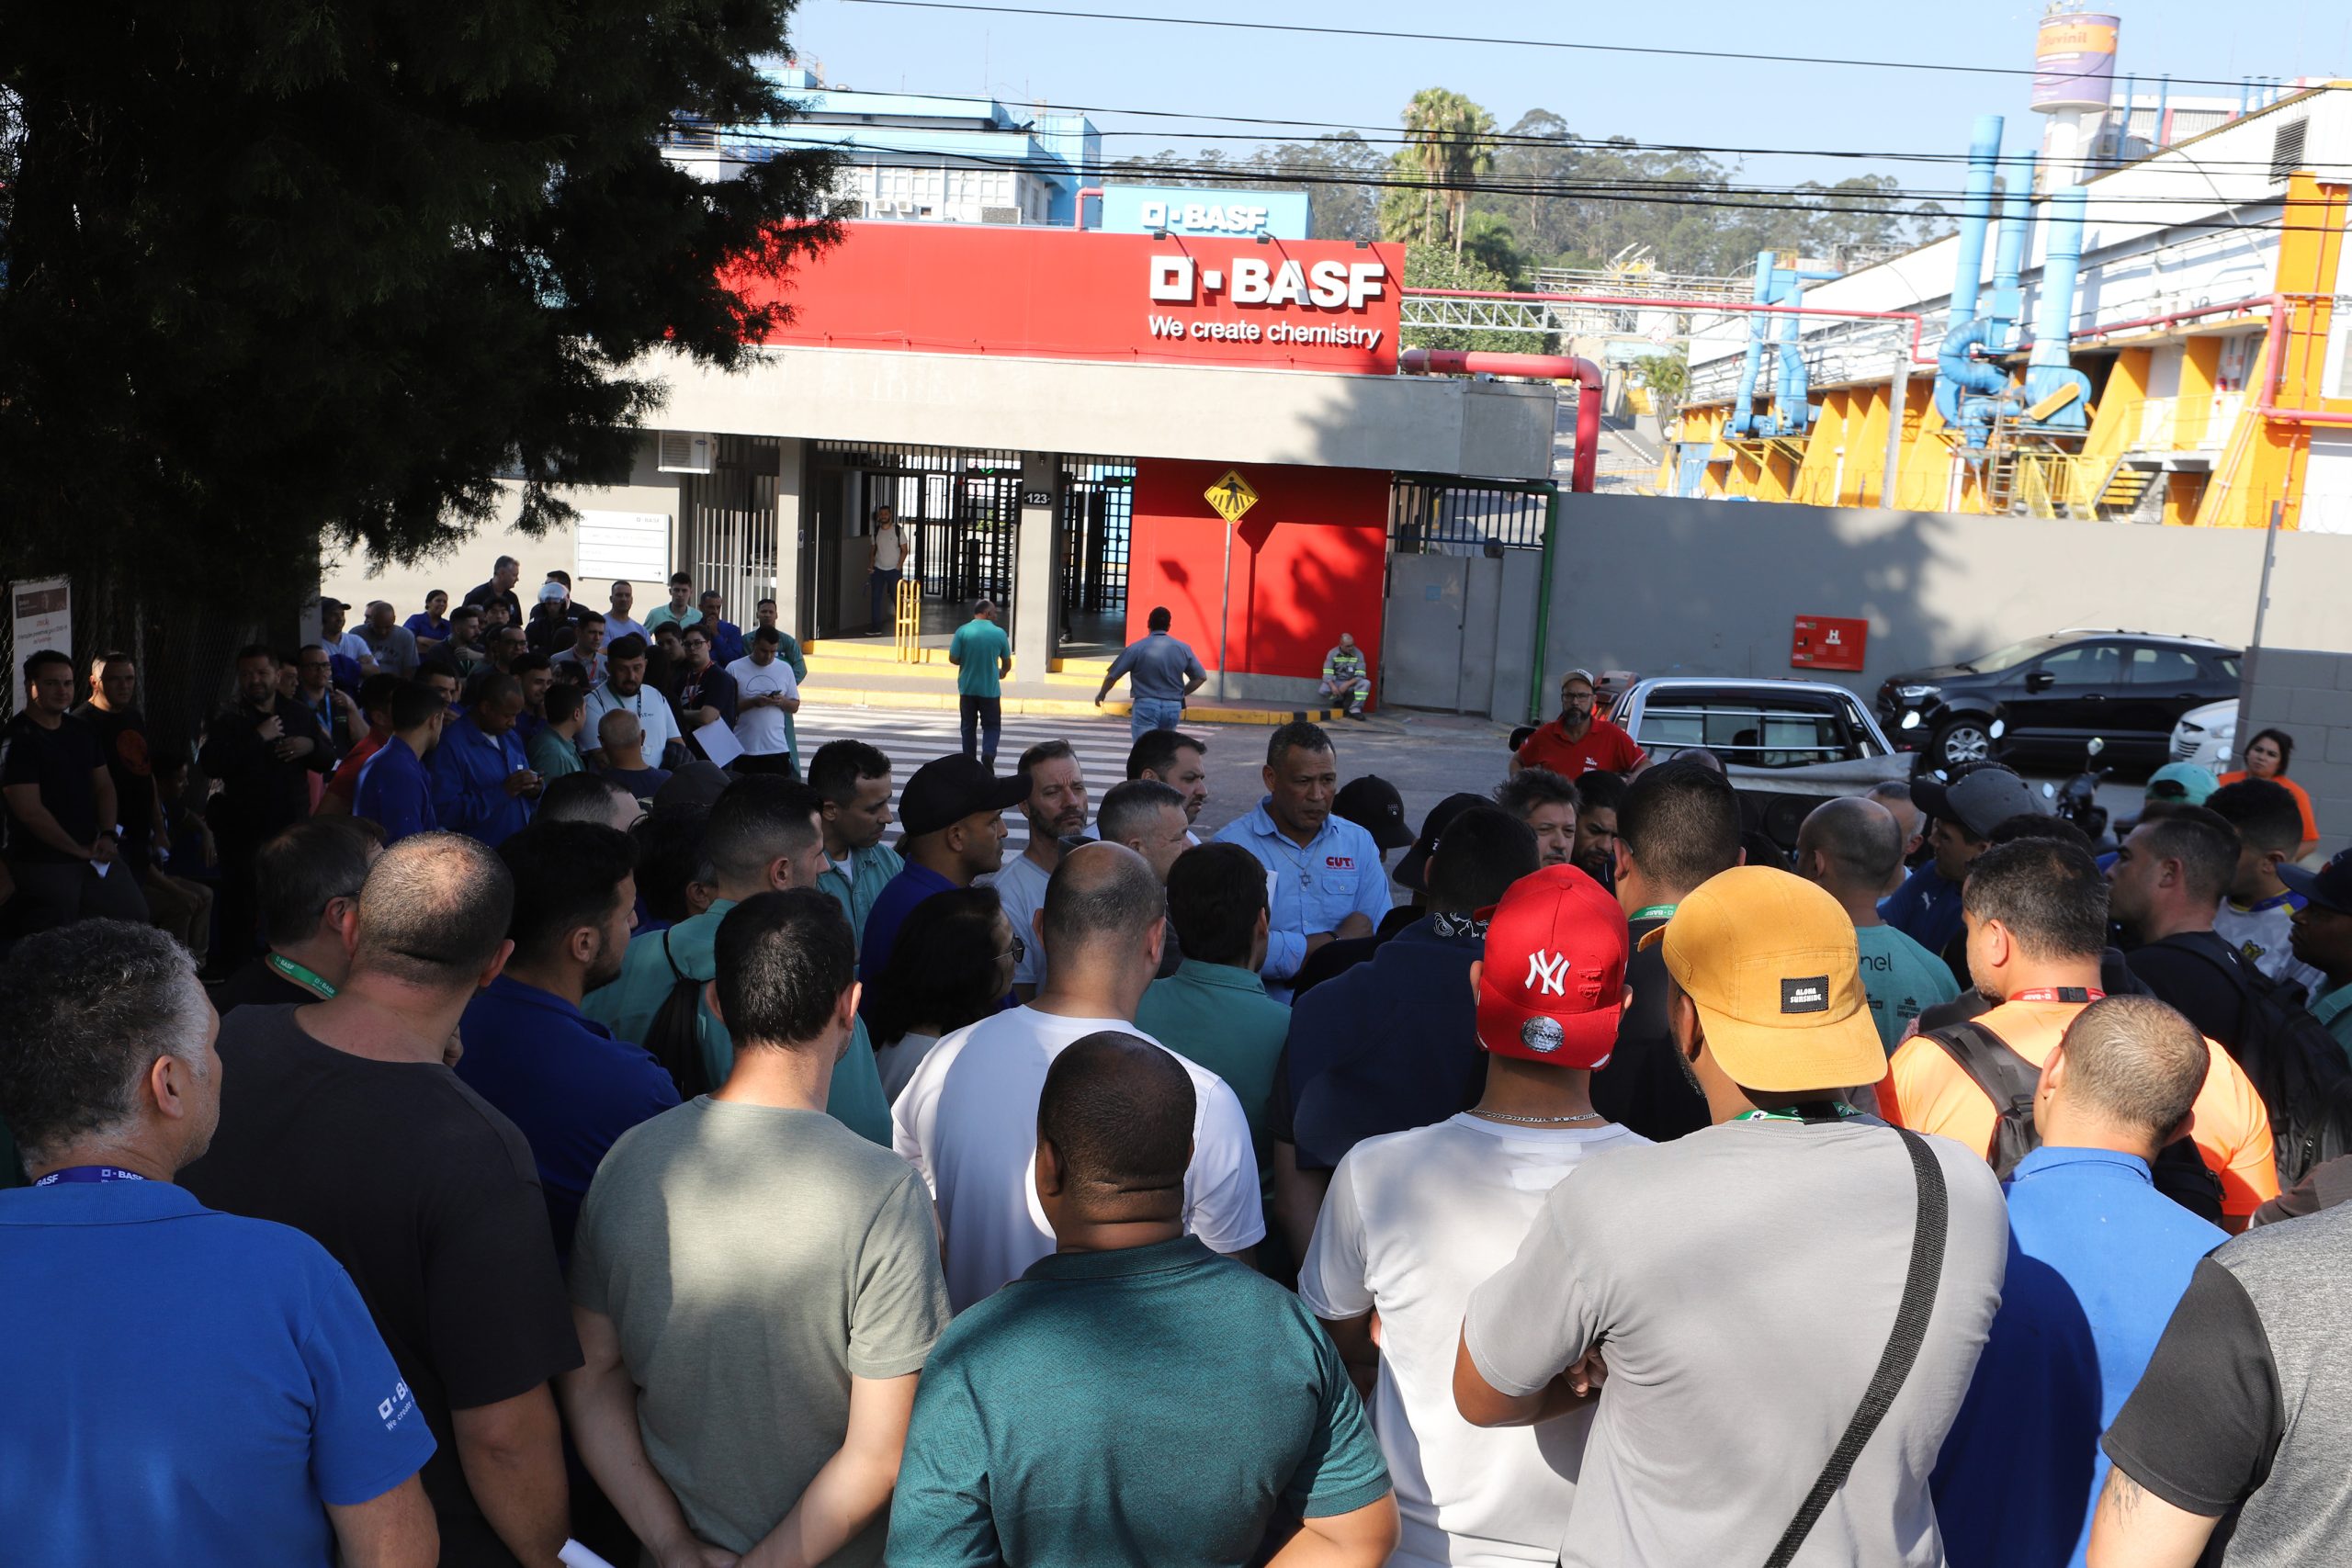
<point>1665,586</point>
<point>348,576</point>
<point>2307,694</point>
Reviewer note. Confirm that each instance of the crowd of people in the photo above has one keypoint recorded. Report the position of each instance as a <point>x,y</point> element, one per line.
<point>493,1115</point>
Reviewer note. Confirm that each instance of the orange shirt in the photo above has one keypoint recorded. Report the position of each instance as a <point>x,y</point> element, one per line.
<point>1603,746</point>
<point>1931,1094</point>
<point>2303,801</point>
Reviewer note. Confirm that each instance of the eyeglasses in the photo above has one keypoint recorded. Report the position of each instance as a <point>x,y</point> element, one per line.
<point>317,664</point>
<point>1017,951</point>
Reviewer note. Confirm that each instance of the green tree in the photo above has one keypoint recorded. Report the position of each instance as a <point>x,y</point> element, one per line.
<point>1429,265</point>
<point>1449,145</point>
<point>276,271</point>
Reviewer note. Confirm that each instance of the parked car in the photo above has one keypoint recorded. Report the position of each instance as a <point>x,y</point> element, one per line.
<point>1786,745</point>
<point>2054,692</point>
<point>2206,736</point>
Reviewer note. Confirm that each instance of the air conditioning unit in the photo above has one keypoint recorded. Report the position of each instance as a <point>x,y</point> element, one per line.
<point>685,452</point>
<point>999,215</point>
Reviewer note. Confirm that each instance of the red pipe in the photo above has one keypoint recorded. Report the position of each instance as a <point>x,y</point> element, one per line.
<point>1688,308</point>
<point>1536,366</point>
<point>1078,212</point>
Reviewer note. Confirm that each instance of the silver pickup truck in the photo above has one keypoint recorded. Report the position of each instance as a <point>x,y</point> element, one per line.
<point>1786,745</point>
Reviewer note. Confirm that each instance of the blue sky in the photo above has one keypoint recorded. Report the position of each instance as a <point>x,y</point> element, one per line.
<point>1362,80</point>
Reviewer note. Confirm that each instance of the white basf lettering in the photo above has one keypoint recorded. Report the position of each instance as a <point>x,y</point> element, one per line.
<point>1330,282</point>
<point>1154,215</point>
<point>1366,280</point>
<point>1250,276</point>
<point>1172,280</point>
<point>1289,286</point>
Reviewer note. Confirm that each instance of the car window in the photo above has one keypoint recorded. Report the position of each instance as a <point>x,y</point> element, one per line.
<point>2086,664</point>
<point>1760,729</point>
<point>2228,665</point>
<point>2009,657</point>
<point>2158,666</point>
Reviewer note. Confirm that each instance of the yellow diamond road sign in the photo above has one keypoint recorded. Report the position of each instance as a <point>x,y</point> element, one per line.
<point>1231,496</point>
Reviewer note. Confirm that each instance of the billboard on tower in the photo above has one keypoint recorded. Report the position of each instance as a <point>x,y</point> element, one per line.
<point>2073,62</point>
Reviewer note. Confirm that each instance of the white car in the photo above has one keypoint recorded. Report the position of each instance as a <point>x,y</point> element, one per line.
<point>2206,736</point>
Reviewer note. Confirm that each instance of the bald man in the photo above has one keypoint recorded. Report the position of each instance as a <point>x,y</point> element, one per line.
<point>1049,1416</point>
<point>1851,848</point>
<point>620,742</point>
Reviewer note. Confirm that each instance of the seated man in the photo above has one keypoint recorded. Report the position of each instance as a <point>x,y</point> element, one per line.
<point>1344,680</point>
<point>1051,1417</point>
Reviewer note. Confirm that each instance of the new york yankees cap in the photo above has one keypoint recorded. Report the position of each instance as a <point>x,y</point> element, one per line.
<point>1770,960</point>
<point>1553,980</point>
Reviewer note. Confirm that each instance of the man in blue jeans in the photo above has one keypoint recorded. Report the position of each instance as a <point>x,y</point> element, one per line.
<point>1162,673</point>
<point>982,655</point>
<point>885,565</point>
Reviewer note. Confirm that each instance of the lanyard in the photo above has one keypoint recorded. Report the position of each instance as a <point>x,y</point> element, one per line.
<point>307,979</point>
<point>1655,912</point>
<point>88,1173</point>
<point>2059,994</point>
<point>1811,1111</point>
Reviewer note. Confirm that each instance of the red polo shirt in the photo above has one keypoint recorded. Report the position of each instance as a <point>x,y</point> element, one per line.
<point>1604,746</point>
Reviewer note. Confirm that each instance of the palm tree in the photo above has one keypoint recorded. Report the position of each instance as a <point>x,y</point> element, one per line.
<point>1449,144</point>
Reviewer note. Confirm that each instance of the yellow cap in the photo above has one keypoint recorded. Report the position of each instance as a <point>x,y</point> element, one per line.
<point>1770,962</point>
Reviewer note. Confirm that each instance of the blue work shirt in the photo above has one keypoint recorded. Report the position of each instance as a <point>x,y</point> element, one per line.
<point>395,792</point>
<point>227,1456</point>
<point>1388,1045</point>
<point>469,770</point>
<point>1925,909</point>
<point>1336,874</point>
<point>628,1004</point>
<point>1157,669</point>
<point>899,896</point>
<point>2098,1261</point>
<point>727,644</point>
<point>564,1080</point>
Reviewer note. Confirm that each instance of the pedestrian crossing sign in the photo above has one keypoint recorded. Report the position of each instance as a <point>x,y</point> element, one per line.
<point>1231,496</point>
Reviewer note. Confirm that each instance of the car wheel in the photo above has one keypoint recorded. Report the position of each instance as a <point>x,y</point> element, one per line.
<point>1960,742</point>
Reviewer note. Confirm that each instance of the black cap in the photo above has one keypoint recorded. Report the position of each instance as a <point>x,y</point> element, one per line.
<point>1416,859</point>
<point>1979,801</point>
<point>1372,804</point>
<point>696,782</point>
<point>2330,886</point>
<point>945,790</point>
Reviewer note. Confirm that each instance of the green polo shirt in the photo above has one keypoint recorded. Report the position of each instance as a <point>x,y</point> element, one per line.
<point>2333,1008</point>
<point>1149,1405</point>
<point>976,650</point>
<point>870,870</point>
<point>1220,1017</point>
<point>627,1008</point>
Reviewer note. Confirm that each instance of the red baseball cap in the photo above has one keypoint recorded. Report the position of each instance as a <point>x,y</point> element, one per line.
<point>1555,979</point>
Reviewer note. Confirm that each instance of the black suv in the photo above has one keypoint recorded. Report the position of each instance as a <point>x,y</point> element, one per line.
<point>2052,694</point>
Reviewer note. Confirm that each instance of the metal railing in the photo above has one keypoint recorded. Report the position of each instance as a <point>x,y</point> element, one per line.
<point>906,621</point>
<point>1665,287</point>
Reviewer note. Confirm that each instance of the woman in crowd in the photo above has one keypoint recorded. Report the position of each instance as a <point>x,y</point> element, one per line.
<point>431,626</point>
<point>952,966</point>
<point>2267,756</point>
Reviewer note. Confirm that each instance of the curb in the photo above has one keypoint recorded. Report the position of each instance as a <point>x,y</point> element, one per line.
<point>1060,707</point>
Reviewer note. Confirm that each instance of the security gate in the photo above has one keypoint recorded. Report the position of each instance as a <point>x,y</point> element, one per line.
<point>1098,508</point>
<point>1464,569</point>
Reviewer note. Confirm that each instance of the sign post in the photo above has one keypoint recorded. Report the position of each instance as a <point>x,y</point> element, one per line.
<point>1230,497</point>
<point>40,616</point>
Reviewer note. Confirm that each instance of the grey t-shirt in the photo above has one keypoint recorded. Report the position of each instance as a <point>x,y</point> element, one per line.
<point>1157,667</point>
<point>1741,1282</point>
<point>753,1260</point>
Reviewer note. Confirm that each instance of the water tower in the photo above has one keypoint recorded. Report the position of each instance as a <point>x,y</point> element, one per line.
<point>2074,81</point>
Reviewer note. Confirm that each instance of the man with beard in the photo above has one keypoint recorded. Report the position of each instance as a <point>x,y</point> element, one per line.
<point>560,1075</point>
<point>1055,810</point>
<point>1579,740</point>
<point>625,688</point>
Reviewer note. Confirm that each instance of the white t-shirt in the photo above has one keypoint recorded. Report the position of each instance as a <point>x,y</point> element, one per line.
<point>760,731</point>
<point>1021,888</point>
<point>2261,934</point>
<point>620,626</point>
<point>889,549</point>
<point>897,1061</point>
<point>351,646</point>
<point>652,712</point>
<point>1412,1223</point>
<point>967,1120</point>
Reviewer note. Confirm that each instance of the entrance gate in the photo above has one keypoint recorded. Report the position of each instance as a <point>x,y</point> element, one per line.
<point>1465,573</point>
<point>959,508</point>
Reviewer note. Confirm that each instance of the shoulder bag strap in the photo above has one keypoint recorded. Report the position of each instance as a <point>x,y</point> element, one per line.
<point>1902,1345</point>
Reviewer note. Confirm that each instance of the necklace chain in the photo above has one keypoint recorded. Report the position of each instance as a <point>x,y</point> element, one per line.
<point>1536,1120</point>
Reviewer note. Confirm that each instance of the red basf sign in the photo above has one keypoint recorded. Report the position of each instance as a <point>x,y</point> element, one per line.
<point>1071,294</point>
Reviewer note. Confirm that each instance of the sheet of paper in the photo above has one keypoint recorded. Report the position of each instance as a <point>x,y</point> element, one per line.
<point>718,742</point>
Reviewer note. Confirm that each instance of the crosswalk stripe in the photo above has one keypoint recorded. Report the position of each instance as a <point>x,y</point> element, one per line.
<point>912,738</point>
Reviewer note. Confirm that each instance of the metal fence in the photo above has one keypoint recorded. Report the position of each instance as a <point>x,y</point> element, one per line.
<point>1440,516</point>
<point>1098,515</point>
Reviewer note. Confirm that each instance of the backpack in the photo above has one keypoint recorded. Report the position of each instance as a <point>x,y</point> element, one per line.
<point>675,1037</point>
<point>2293,1063</point>
<point>2008,1080</point>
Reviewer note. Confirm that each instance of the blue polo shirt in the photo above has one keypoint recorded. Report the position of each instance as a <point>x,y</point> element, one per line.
<point>1925,909</point>
<point>469,770</point>
<point>1157,669</point>
<point>899,896</point>
<point>2098,1261</point>
<point>112,1451</point>
<point>563,1079</point>
<point>1335,875</point>
<point>395,792</point>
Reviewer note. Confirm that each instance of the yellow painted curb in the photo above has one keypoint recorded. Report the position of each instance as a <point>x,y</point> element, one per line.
<point>1063,707</point>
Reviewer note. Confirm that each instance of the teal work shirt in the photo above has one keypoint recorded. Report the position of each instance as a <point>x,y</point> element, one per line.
<point>1220,1017</point>
<point>627,1008</point>
<point>1902,980</point>
<point>976,650</point>
<point>2333,1008</point>
<point>870,870</point>
<point>1148,1406</point>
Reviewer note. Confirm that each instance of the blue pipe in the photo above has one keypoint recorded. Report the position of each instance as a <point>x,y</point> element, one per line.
<point>2051,368</point>
<point>2157,140</point>
<point>1743,402</point>
<point>1975,214</point>
<point>1957,371</point>
<point>2009,252</point>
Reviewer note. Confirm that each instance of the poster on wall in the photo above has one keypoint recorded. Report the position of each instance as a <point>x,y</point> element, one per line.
<point>633,545</point>
<point>41,615</point>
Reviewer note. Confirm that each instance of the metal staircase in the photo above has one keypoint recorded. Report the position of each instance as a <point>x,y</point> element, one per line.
<point>2128,488</point>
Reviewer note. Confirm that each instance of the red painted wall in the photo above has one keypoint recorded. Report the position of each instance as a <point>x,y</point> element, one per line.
<point>1308,562</point>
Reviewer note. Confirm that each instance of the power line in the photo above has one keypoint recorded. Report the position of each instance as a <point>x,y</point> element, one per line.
<point>1744,56</point>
